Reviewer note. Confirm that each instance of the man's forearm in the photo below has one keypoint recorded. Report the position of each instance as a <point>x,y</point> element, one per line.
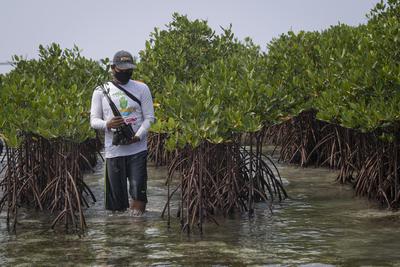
<point>98,123</point>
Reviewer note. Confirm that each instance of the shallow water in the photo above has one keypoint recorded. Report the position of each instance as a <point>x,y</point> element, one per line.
<point>322,224</point>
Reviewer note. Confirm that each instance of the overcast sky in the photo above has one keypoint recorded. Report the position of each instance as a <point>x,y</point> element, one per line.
<point>101,27</point>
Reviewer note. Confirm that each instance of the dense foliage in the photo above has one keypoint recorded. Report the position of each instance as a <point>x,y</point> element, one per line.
<point>49,96</point>
<point>204,84</point>
<point>209,86</point>
<point>350,75</point>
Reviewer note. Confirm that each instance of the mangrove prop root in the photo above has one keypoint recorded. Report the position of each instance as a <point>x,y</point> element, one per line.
<point>219,179</point>
<point>48,175</point>
<point>156,149</point>
<point>363,160</point>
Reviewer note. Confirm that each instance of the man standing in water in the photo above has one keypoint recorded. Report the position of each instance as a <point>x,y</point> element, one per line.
<point>127,161</point>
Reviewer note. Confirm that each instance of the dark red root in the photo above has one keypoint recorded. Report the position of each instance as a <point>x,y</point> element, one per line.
<point>219,179</point>
<point>48,175</point>
<point>370,164</point>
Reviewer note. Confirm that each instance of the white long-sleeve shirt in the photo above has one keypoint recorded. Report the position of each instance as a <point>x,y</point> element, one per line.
<point>139,117</point>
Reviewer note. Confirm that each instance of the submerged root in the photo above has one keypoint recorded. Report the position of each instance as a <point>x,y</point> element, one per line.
<point>363,160</point>
<point>48,175</point>
<point>219,179</point>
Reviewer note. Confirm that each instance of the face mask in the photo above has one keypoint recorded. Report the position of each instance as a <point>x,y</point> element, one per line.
<point>123,76</point>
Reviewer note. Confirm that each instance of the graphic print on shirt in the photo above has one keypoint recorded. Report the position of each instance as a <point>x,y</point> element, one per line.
<point>123,103</point>
<point>124,109</point>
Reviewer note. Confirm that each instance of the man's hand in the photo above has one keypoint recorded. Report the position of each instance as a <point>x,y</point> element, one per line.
<point>115,122</point>
<point>135,139</point>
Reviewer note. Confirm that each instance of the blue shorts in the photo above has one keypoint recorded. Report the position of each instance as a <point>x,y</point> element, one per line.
<point>119,170</point>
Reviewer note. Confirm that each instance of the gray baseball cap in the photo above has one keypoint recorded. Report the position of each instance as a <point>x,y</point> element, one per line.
<point>123,60</point>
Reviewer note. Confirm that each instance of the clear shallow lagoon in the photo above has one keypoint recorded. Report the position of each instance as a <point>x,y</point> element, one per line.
<point>322,224</point>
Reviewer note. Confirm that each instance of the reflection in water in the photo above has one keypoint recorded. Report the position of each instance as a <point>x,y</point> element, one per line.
<point>322,224</point>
